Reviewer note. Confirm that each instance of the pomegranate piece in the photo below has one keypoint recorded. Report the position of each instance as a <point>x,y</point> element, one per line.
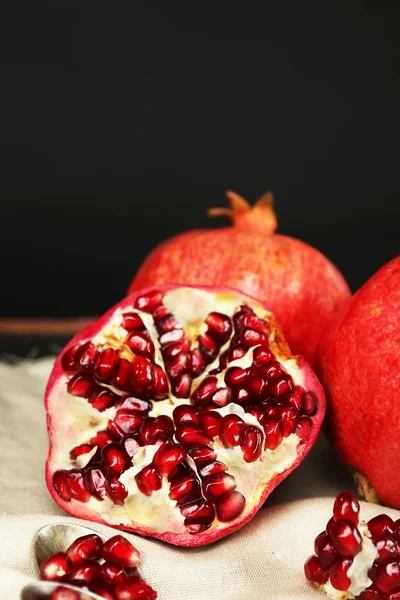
<point>86,571</point>
<point>86,547</point>
<point>182,385</point>
<point>112,572</point>
<point>119,549</point>
<point>63,593</point>
<point>376,573</point>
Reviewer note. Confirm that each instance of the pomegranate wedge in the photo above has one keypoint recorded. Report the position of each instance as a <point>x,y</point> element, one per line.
<point>177,413</point>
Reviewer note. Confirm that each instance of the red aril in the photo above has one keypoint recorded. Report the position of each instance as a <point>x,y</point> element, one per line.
<point>87,547</point>
<point>63,593</point>
<point>358,363</point>
<point>119,549</point>
<point>350,561</point>
<point>134,588</point>
<point>298,283</point>
<point>191,447</point>
<point>56,568</point>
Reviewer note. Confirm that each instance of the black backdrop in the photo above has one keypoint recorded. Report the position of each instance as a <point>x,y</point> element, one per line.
<point>122,122</point>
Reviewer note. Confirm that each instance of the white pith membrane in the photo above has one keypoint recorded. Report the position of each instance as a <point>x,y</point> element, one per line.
<point>80,421</point>
<point>358,571</point>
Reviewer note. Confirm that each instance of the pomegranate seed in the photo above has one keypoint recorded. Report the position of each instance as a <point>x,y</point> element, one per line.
<point>160,312</point>
<point>281,386</point>
<point>219,326</point>
<point>303,428</point>
<point>149,302</point>
<point>329,525</point>
<point>250,337</point>
<point>211,423</point>
<point>121,375</point>
<point>317,540</point>
<point>134,588</point>
<point>230,506</point>
<point>158,428</point>
<point>56,568</point>
<point>87,356</point>
<point>81,386</point>
<point>346,507</point>
<point>140,344</point>
<point>120,549</point>
<point>379,526</point>
<point>167,324</point>
<point>102,399</point>
<point>262,356</point>
<point>251,443</point>
<point>197,362</point>
<point>256,385</point>
<point>132,322</point>
<point>131,446</point>
<point>171,337</point>
<point>271,408</point>
<point>231,430</point>
<point>160,384</point>
<point>135,404</point>
<point>205,390</point>
<point>102,438</point>
<point>127,421</point>
<point>257,411</point>
<point>64,593</point>
<point>174,349</point>
<point>271,370</point>
<point>166,459</point>
<point>86,547</point>
<point>191,436</point>
<point>235,376</point>
<point>388,577</point>
<point>202,456</point>
<point>326,552</point>
<point>296,398</point>
<point>346,538</point>
<point>199,511</point>
<point>60,483</point>
<point>222,397</point>
<point>393,596</point>
<point>148,480</point>
<point>77,486</point>
<point>96,482</point>
<point>102,589</point>
<point>185,488</point>
<point>185,413</point>
<point>338,574</point>
<point>387,548</point>
<point>216,486</point>
<point>314,571</point>
<point>112,572</point>
<point>181,387</point>
<point>70,358</point>
<point>289,416</point>
<point>273,430</point>
<point>310,404</point>
<point>141,374</point>
<point>86,571</point>
<point>238,318</point>
<point>241,396</point>
<point>106,364</point>
<point>78,450</point>
<point>116,490</point>
<point>251,321</point>
<point>211,469</point>
<point>115,457</point>
<point>236,353</point>
<point>179,365</point>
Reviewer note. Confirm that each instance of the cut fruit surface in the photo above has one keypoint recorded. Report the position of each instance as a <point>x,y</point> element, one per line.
<point>356,559</point>
<point>181,432</point>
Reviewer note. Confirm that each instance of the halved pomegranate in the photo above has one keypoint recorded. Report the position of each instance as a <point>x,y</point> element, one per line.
<point>177,413</point>
<point>356,559</point>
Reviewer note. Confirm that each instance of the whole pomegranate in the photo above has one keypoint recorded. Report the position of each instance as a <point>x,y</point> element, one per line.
<point>177,413</point>
<point>359,365</point>
<point>297,283</point>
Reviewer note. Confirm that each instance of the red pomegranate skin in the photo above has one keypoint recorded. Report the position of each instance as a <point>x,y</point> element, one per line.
<point>299,284</point>
<point>358,363</point>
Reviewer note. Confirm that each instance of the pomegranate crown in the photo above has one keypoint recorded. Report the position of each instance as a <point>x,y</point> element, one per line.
<point>260,218</point>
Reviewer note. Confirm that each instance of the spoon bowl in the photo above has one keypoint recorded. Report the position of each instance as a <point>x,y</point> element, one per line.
<point>42,590</point>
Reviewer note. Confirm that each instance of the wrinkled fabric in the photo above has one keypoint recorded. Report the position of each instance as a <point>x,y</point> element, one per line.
<point>263,561</point>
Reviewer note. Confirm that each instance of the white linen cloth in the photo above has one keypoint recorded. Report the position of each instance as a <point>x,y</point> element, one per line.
<point>262,561</point>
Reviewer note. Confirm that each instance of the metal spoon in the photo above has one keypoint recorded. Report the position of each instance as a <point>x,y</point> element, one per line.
<point>49,540</point>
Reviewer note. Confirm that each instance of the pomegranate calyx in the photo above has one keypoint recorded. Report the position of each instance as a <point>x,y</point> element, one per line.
<point>259,218</point>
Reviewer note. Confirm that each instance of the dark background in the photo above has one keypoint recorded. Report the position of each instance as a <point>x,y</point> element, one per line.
<point>121,123</point>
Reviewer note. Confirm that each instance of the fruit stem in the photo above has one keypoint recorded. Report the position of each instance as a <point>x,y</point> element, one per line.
<point>260,218</point>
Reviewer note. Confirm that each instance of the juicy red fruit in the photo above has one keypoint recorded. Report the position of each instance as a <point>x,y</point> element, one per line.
<point>172,388</point>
